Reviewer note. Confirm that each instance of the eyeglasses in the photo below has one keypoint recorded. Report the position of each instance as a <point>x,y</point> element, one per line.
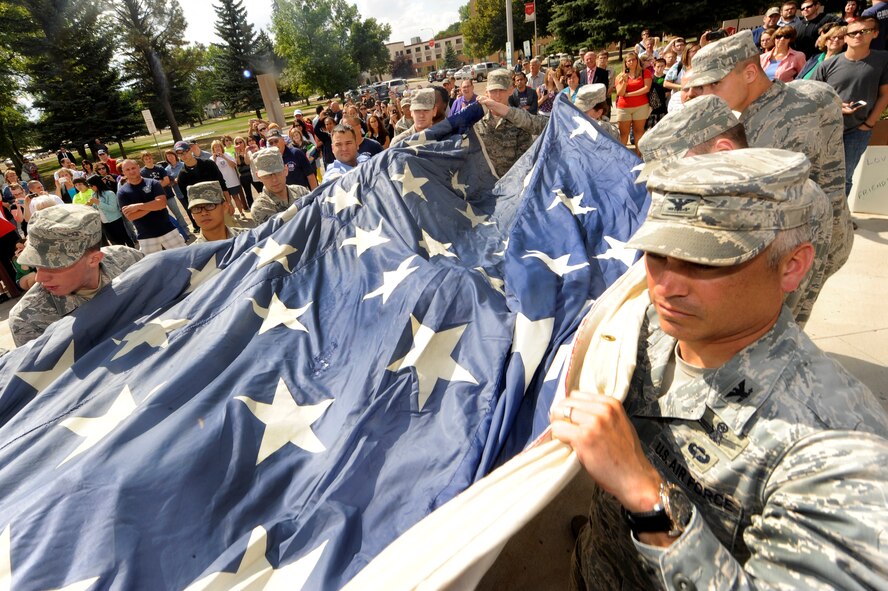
<point>202,208</point>
<point>781,36</point>
<point>858,33</point>
<point>807,6</point>
<point>836,38</point>
<point>263,128</point>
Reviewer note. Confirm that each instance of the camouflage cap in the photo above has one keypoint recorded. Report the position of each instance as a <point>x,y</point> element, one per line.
<point>423,100</point>
<point>716,60</point>
<point>59,236</point>
<point>590,95</point>
<point>724,208</point>
<point>207,192</point>
<point>499,80</point>
<point>268,161</point>
<point>701,119</point>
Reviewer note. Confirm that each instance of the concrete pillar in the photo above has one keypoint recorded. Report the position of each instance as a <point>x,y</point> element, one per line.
<point>271,99</point>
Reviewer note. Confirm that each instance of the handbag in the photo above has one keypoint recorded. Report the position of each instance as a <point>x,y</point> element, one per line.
<point>654,98</point>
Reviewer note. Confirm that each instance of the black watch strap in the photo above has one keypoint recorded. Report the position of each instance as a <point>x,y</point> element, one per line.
<point>648,521</point>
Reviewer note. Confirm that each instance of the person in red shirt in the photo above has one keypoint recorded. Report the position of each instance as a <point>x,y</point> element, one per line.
<point>633,108</point>
<point>109,161</point>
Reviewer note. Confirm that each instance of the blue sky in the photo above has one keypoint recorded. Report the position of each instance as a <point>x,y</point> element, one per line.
<point>408,18</point>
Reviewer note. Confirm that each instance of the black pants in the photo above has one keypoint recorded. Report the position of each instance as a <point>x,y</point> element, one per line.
<point>115,233</point>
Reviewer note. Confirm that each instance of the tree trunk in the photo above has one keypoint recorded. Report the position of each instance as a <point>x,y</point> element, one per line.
<point>122,149</point>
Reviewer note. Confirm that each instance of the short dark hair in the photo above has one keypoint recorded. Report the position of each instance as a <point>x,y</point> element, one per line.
<point>344,128</point>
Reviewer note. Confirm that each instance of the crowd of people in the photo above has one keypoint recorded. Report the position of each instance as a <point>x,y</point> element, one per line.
<point>749,174</point>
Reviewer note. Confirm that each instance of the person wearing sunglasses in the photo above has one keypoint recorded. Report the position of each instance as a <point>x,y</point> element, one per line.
<point>813,19</point>
<point>207,205</point>
<point>860,76</point>
<point>831,43</point>
<point>783,62</point>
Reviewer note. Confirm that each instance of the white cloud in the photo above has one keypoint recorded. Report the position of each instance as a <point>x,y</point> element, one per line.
<point>408,18</point>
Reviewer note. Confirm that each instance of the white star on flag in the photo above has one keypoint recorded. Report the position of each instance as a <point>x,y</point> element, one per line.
<point>421,140</point>
<point>529,340</point>
<point>431,357</point>
<point>342,199</point>
<point>558,362</point>
<point>495,282</point>
<point>286,422</point>
<point>435,248</point>
<point>456,185</point>
<point>153,334</point>
<point>558,266</point>
<point>392,279</point>
<point>474,218</point>
<point>255,572</point>
<point>574,204</point>
<point>6,567</point>
<point>277,313</point>
<point>273,252</point>
<point>618,252</point>
<point>199,277</point>
<point>502,253</point>
<point>94,429</point>
<point>364,240</point>
<point>584,126</point>
<point>410,183</point>
<point>39,380</point>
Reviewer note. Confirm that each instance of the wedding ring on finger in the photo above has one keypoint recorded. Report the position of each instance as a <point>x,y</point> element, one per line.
<point>566,412</point>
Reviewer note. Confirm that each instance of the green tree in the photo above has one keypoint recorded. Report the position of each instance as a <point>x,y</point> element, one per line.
<point>234,65</point>
<point>577,23</point>
<point>484,28</point>
<point>450,58</point>
<point>324,49</point>
<point>450,31</point>
<point>402,68</point>
<point>151,39</point>
<point>367,39</point>
<point>78,97</point>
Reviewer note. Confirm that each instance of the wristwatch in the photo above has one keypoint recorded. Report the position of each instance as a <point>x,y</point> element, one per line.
<point>670,516</point>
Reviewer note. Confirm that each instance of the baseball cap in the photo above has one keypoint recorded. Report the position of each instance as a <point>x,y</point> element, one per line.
<point>101,152</point>
<point>423,100</point>
<point>701,119</point>
<point>590,95</point>
<point>716,60</point>
<point>499,80</point>
<point>773,11</point>
<point>725,208</point>
<point>181,147</point>
<point>268,161</point>
<point>274,133</point>
<point>297,112</point>
<point>59,236</point>
<point>207,192</point>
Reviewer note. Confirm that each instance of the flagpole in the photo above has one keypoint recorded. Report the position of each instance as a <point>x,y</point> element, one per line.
<point>536,49</point>
<point>510,34</point>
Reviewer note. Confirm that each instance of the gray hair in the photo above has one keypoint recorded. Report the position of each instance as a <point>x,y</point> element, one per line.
<point>786,241</point>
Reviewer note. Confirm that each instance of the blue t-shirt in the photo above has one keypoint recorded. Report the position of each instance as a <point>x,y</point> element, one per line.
<point>154,223</point>
<point>771,69</point>
<point>370,146</point>
<point>298,167</point>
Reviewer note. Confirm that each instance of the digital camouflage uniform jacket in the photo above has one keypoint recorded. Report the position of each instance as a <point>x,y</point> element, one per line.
<point>38,308</point>
<point>806,116</point>
<point>783,455</point>
<point>265,205</point>
<point>506,139</point>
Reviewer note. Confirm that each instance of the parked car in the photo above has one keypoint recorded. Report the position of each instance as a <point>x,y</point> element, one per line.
<point>464,72</point>
<point>481,71</point>
<point>432,75</point>
<point>450,72</point>
<point>380,91</point>
<point>398,85</point>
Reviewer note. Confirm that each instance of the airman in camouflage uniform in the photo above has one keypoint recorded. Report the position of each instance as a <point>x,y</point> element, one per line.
<point>803,116</point>
<point>590,95</point>
<point>506,138</point>
<point>762,464</point>
<point>692,131</point>
<point>269,167</point>
<point>210,193</point>
<point>422,100</point>
<point>63,245</point>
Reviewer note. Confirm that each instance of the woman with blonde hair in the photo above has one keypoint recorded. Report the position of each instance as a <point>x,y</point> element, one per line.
<point>228,167</point>
<point>633,107</point>
<point>830,43</point>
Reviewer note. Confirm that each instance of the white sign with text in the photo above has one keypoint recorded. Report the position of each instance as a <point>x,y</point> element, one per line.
<point>869,191</point>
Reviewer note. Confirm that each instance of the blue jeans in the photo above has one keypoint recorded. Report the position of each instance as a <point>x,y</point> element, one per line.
<point>855,142</point>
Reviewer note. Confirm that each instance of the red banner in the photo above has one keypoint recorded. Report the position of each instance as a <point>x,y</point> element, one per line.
<point>529,12</point>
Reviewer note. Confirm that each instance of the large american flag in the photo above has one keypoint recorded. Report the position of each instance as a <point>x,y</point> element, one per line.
<point>273,411</point>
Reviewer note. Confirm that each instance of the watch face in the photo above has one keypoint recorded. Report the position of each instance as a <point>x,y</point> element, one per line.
<point>679,507</point>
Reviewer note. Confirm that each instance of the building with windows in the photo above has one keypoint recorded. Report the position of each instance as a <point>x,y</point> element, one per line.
<point>427,56</point>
